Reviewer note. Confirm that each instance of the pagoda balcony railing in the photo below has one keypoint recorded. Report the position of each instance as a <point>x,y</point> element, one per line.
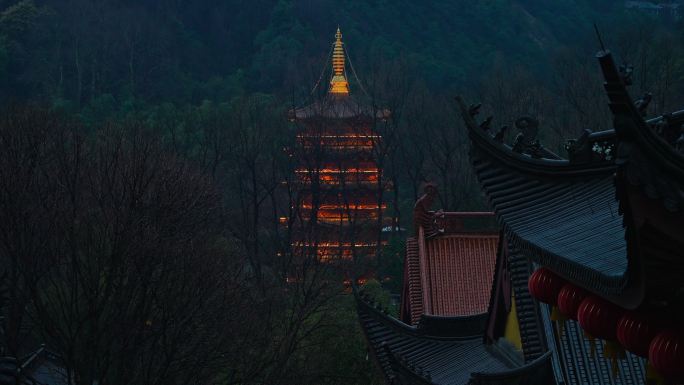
<point>337,181</point>
<point>325,171</point>
<point>343,219</point>
<point>328,252</point>
<point>344,207</point>
<point>340,148</point>
<point>316,137</point>
<point>342,202</point>
<point>346,186</point>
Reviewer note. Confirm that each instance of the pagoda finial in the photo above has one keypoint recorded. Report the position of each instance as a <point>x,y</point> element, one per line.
<point>338,83</point>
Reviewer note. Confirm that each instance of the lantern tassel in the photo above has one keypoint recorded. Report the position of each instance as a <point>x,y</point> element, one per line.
<point>558,317</point>
<point>556,314</point>
<point>614,351</point>
<point>652,375</point>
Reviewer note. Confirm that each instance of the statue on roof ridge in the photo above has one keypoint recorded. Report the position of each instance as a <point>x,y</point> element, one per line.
<point>526,141</point>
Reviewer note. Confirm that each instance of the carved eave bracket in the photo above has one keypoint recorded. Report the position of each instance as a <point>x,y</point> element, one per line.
<point>592,147</point>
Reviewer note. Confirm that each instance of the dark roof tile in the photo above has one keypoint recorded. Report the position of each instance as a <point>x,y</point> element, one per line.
<point>403,350</point>
<point>563,215</point>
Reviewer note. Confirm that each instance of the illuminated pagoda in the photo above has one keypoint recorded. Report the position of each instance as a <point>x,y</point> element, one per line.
<point>587,284</point>
<point>340,209</point>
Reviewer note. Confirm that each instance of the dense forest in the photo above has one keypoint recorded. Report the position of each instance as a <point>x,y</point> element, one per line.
<point>142,164</point>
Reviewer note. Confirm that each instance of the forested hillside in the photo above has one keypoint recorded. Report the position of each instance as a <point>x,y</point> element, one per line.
<point>81,52</point>
<point>145,165</point>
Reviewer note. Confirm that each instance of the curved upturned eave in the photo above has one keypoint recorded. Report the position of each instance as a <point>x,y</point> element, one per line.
<point>622,104</point>
<point>562,215</point>
<point>541,366</point>
<point>657,147</point>
<point>644,158</point>
<point>552,168</point>
<point>402,352</point>
<point>338,107</point>
<point>414,331</point>
<point>382,331</point>
<point>407,353</point>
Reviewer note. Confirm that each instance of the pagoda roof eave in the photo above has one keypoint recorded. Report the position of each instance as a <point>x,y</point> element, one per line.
<point>338,107</point>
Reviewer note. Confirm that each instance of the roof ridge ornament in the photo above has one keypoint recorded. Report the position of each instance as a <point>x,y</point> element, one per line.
<point>642,104</point>
<point>626,71</point>
<point>423,216</point>
<point>526,141</point>
<point>499,136</point>
<point>592,147</point>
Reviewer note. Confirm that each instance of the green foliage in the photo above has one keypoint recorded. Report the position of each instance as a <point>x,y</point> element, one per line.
<point>100,108</point>
<point>212,80</point>
<point>185,52</point>
<point>19,18</point>
<point>391,264</point>
<point>380,295</point>
<point>339,353</point>
<point>4,59</point>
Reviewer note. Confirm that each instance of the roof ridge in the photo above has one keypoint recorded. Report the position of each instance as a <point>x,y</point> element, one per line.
<point>552,168</point>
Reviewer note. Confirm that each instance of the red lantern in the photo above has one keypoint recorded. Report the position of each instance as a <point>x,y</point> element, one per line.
<point>635,331</point>
<point>569,299</point>
<point>666,354</point>
<point>599,317</point>
<point>545,285</point>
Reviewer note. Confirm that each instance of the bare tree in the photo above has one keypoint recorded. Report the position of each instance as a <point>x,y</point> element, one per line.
<point>117,253</point>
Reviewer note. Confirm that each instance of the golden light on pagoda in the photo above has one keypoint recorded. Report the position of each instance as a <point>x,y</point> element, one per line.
<point>352,206</point>
<point>338,173</point>
<point>339,176</point>
<point>338,83</point>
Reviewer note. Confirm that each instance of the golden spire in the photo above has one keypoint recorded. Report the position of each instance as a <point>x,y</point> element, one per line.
<point>338,83</point>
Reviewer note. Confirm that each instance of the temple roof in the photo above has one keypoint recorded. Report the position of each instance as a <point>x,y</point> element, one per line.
<point>43,367</point>
<point>649,184</point>
<point>573,361</point>
<point>441,350</point>
<point>449,274</point>
<point>510,288</point>
<point>579,217</point>
<point>651,152</point>
<point>581,367</point>
<point>562,214</point>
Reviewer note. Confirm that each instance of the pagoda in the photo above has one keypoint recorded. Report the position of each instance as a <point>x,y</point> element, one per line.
<point>339,210</point>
